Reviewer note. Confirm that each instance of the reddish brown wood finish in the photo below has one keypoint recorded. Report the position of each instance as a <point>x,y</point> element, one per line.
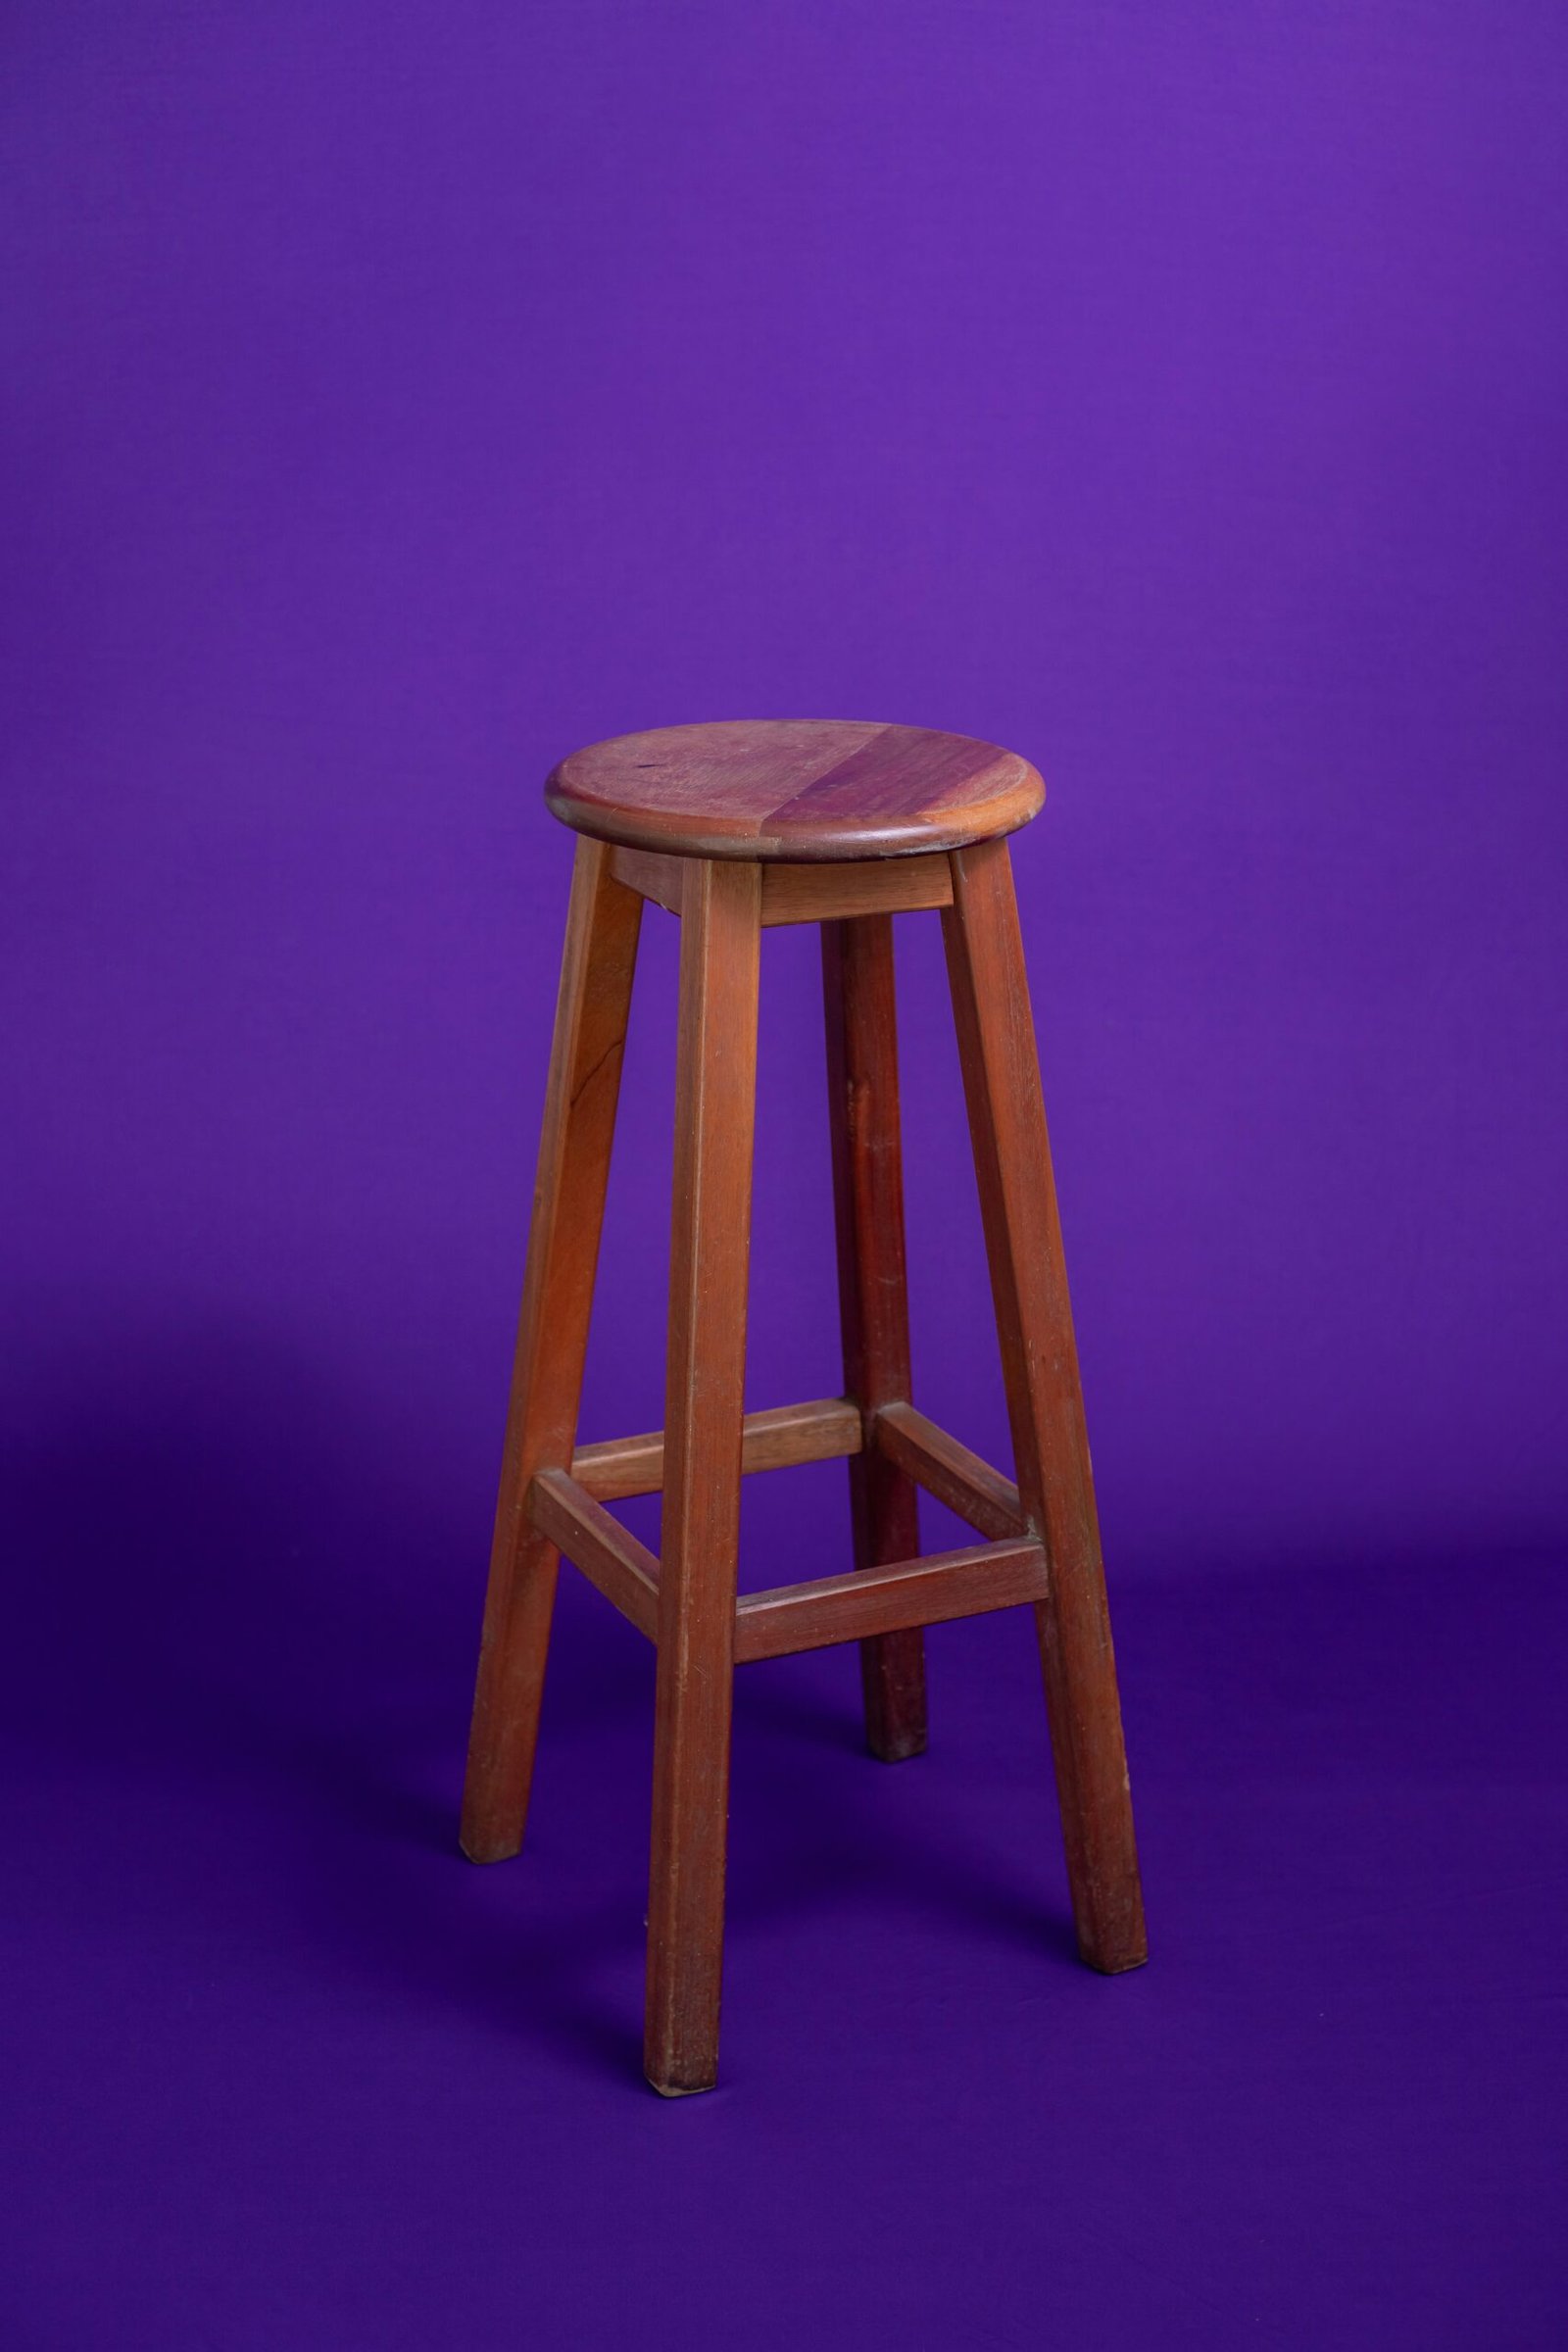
<point>652,872</point>
<point>601,952</point>
<point>825,894</point>
<point>608,1554</point>
<point>775,1440</point>
<point>862,1076</point>
<point>894,1596</point>
<point>1045,1404</point>
<point>949,1471</point>
<point>804,894</point>
<point>800,797</point>
<point>901,1594</point>
<point>700,1528</point>
<point>798,789</point>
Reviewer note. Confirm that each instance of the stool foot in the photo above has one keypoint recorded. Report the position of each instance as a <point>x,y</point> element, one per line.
<point>683,2090</point>
<point>590,1035</point>
<point>893,1680</point>
<point>506,1727</point>
<point>1117,1960</point>
<point>1045,1401</point>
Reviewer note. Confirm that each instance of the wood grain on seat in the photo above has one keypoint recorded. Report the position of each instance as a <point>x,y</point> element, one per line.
<point>798,789</point>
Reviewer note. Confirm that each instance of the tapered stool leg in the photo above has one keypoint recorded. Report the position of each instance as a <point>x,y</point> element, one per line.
<point>862,1067</point>
<point>700,1531</point>
<point>569,1202</point>
<point>1045,1404</point>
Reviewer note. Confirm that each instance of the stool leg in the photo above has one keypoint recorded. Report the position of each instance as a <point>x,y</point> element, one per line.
<point>568,1202</point>
<point>1045,1404</point>
<point>862,1067</point>
<point>700,1528</point>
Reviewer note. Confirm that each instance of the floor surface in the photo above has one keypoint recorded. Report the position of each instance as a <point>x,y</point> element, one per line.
<point>284,2071</point>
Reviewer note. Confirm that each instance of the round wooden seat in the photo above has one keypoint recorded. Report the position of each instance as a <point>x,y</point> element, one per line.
<point>796,789</point>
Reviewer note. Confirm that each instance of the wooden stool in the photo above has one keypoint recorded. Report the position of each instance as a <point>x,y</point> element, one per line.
<point>733,827</point>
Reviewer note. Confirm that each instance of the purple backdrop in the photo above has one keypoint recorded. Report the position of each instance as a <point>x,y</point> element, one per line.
<point>399,396</point>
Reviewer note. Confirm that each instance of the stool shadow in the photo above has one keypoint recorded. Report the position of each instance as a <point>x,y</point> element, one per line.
<point>232,1579</point>
<point>230,1584</point>
<point>832,1843</point>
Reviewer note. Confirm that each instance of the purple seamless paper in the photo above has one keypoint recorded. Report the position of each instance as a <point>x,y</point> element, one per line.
<point>399,396</point>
